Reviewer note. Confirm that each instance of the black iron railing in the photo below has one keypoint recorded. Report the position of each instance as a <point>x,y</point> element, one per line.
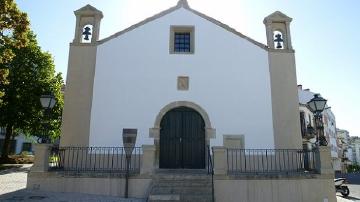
<point>271,161</point>
<point>210,169</point>
<point>94,159</point>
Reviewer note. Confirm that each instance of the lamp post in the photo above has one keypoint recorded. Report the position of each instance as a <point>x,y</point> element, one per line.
<point>129,139</point>
<point>317,105</point>
<point>47,102</point>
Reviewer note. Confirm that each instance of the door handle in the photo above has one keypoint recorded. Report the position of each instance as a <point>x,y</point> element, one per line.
<point>180,140</point>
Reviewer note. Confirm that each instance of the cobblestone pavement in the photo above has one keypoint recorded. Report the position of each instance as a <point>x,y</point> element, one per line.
<point>13,184</point>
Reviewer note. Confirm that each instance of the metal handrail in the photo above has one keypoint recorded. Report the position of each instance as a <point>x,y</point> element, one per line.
<point>94,159</point>
<point>211,171</point>
<point>271,161</point>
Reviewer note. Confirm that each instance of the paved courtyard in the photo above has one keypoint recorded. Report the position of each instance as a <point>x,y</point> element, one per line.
<point>13,184</point>
<point>354,194</point>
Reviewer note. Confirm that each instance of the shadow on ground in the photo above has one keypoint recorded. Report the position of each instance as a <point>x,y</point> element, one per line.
<point>23,195</point>
<point>349,198</point>
<point>18,168</point>
<point>34,195</point>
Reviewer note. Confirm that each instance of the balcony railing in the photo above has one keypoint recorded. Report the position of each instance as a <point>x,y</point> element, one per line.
<point>270,161</point>
<point>94,159</point>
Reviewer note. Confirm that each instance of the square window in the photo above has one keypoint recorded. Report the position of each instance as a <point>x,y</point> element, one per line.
<point>181,39</point>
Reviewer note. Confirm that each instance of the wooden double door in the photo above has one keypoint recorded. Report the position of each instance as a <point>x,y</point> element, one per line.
<point>182,139</point>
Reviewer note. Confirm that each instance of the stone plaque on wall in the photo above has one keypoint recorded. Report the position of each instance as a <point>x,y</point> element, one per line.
<point>234,141</point>
<point>183,83</point>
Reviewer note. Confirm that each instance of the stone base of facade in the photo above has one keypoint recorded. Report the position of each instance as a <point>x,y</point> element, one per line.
<point>100,184</point>
<point>283,189</point>
<point>278,188</point>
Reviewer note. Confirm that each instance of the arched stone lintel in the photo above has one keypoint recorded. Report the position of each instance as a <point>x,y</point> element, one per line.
<point>155,131</point>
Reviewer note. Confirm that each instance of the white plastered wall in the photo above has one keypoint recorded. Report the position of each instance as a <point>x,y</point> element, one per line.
<point>136,77</point>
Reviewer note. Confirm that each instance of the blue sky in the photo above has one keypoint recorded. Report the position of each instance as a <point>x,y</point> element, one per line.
<point>325,35</point>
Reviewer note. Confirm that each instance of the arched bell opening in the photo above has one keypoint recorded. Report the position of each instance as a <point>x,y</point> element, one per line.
<point>87,33</point>
<point>278,37</point>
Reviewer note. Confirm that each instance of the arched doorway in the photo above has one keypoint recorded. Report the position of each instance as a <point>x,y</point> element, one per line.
<point>182,139</point>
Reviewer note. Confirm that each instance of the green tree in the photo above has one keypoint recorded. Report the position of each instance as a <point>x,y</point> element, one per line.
<point>14,26</point>
<point>31,74</point>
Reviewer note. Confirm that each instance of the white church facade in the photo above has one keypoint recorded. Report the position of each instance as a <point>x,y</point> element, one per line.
<point>200,95</point>
<point>134,77</point>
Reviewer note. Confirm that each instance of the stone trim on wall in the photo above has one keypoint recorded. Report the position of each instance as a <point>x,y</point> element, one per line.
<point>154,132</point>
<point>210,132</point>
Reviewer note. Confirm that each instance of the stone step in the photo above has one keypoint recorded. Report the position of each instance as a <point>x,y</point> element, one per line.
<point>185,177</point>
<point>178,198</point>
<point>183,183</point>
<point>175,186</point>
<point>164,197</point>
<point>196,198</point>
<point>179,185</point>
<point>181,190</point>
<point>182,171</point>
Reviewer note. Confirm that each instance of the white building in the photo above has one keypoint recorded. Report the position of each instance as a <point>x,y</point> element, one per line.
<point>355,144</point>
<point>18,144</point>
<point>307,119</point>
<point>344,147</point>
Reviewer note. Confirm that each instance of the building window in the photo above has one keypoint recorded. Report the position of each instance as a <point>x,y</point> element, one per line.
<point>182,40</point>
<point>303,124</point>
<point>2,131</point>
<point>26,147</point>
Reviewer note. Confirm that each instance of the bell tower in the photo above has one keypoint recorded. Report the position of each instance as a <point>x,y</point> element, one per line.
<point>87,26</point>
<point>284,96</point>
<point>278,31</point>
<point>75,126</point>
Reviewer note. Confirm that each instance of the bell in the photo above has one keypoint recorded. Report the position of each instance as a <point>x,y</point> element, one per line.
<point>87,33</point>
<point>278,40</point>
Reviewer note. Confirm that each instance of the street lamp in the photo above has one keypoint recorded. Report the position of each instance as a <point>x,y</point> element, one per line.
<point>47,102</point>
<point>317,105</point>
<point>129,140</point>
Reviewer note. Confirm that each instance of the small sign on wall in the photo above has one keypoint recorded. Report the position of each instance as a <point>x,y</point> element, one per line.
<point>129,140</point>
<point>183,83</point>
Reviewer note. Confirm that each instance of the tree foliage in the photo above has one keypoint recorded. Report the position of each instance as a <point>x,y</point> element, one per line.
<point>354,168</point>
<point>14,26</point>
<point>31,74</point>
